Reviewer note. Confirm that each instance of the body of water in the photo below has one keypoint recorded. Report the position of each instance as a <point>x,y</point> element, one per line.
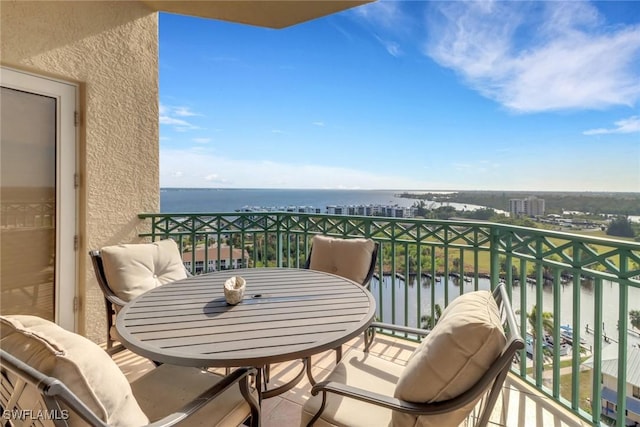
<point>229,200</point>
<point>206,200</point>
<point>610,312</point>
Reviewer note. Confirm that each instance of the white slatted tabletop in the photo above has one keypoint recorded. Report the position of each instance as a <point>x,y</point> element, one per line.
<point>286,314</point>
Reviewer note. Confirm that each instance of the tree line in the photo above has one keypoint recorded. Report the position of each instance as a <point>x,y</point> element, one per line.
<point>620,225</point>
<point>555,202</point>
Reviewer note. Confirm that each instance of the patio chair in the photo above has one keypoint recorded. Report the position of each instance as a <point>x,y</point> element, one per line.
<point>126,271</point>
<point>354,259</point>
<point>462,361</point>
<point>45,369</point>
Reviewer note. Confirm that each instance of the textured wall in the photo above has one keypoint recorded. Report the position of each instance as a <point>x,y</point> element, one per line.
<point>111,49</point>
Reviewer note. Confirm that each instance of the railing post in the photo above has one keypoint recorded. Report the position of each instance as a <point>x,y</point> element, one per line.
<point>494,256</point>
<point>556,334</point>
<point>538,333</point>
<point>523,316</point>
<point>596,398</point>
<point>445,280</point>
<point>419,276</point>
<point>623,304</point>
<point>279,247</point>
<point>393,273</point>
<point>575,363</point>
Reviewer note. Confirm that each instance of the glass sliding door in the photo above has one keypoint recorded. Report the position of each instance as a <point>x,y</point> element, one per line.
<point>37,153</point>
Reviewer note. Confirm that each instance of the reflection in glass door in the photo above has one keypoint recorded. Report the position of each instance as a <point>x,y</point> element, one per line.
<point>27,197</point>
<point>31,168</point>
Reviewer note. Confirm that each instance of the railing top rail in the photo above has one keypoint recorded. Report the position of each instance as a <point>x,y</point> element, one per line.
<point>594,240</point>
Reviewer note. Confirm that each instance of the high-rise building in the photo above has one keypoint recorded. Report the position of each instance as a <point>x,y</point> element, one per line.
<point>531,206</point>
<point>516,207</point>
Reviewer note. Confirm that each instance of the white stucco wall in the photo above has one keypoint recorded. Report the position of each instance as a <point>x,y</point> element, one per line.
<point>111,50</point>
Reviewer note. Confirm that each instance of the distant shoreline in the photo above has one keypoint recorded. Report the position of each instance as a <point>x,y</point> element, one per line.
<point>598,203</point>
<point>174,199</point>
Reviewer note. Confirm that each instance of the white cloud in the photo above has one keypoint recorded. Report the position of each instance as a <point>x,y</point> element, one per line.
<point>392,47</point>
<point>183,112</point>
<point>385,14</point>
<point>389,17</point>
<point>630,125</point>
<point>214,178</point>
<point>211,170</point>
<point>320,124</point>
<point>479,167</point>
<point>172,116</point>
<point>569,61</point>
<point>166,120</point>
<point>202,140</point>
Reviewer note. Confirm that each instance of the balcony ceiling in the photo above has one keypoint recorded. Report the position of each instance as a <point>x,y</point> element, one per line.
<point>265,13</point>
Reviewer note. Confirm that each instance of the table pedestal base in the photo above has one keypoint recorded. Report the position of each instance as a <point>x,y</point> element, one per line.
<point>266,393</point>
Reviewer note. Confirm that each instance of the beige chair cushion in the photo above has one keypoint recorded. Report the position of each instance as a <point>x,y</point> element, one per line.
<point>167,388</point>
<point>467,339</point>
<point>80,364</point>
<point>133,269</point>
<point>350,258</point>
<point>360,370</point>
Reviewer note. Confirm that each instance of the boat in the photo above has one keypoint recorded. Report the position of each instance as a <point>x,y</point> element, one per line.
<point>566,332</point>
<point>547,345</point>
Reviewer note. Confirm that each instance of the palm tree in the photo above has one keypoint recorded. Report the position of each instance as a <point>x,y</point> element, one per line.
<point>635,318</point>
<point>428,321</point>
<point>547,326</point>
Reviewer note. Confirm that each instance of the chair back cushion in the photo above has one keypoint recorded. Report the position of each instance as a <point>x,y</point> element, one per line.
<point>132,269</point>
<point>84,367</point>
<point>350,258</point>
<point>465,342</point>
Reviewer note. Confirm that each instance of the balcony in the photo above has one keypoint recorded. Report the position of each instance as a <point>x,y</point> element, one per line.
<point>520,404</point>
<point>586,285</point>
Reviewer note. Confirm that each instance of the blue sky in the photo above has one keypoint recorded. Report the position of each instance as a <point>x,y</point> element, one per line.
<point>438,95</point>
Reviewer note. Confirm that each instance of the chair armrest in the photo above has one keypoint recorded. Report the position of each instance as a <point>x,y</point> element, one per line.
<point>381,399</point>
<point>239,375</point>
<point>115,300</point>
<point>370,332</point>
<point>398,328</point>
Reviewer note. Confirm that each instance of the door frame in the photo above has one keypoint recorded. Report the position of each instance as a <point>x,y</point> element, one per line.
<point>67,97</point>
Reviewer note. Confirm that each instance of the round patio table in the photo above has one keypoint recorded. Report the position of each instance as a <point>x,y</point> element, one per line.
<point>286,314</point>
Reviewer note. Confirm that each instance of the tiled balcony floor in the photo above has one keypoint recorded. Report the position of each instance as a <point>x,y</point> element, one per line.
<point>520,405</point>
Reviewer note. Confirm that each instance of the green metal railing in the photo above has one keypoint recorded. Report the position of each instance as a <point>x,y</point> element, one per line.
<point>558,282</point>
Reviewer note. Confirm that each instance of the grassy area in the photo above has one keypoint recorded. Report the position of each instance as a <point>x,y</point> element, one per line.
<point>566,363</point>
<point>456,255</point>
<point>563,364</point>
<point>586,382</point>
<point>586,379</point>
<point>484,256</point>
<point>600,233</point>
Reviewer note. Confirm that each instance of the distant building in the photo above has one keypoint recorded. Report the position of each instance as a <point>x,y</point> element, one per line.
<point>228,258</point>
<point>531,206</point>
<point>610,384</point>
<point>335,210</point>
<point>516,207</point>
<point>391,211</point>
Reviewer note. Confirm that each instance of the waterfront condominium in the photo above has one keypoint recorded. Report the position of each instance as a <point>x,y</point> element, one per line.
<point>531,206</point>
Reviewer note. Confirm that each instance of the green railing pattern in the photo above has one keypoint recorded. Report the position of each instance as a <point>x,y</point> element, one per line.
<point>448,258</point>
